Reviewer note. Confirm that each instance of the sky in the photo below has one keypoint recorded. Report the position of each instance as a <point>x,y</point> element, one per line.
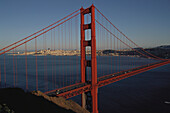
<point>146,22</point>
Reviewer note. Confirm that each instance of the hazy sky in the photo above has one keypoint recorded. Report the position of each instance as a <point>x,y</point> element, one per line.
<point>146,22</point>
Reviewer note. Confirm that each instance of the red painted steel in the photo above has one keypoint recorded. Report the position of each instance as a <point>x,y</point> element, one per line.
<point>51,91</point>
<point>76,91</point>
<point>39,31</point>
<point>123,76</point>
<point>94,90</point>
<point>123,41</point>
<point>127,37</point>
<point>125,70</point>
<point>84,63</point>
<point>83,56</point>
<point>5,51</point>
<point>93,62</point>
<point>88,87</point>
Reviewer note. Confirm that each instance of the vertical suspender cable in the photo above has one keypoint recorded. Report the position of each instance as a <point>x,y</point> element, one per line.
<point>111,51</point>
<point>36,64</point>
<point>117,54</point>
<point>71,48</point>
<point>69,30</point>
<point>0,75</point>
<point>26,66</point>
<point>16,70</point>
<point>44,61</point>
<point>54,61</point>
<point>65,72</point>
<point>76,38</point>
<point>97,38</point>
<point>4,70</point>
<point>46,76</point>
<point>59,30</point>
<point>63,53</point>
<point>13,69</point>
<point>114,46</point>
<point>52,78</point>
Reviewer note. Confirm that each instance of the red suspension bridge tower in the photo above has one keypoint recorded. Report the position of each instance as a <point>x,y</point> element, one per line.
<point>89,99</point>
<point>55,78</point>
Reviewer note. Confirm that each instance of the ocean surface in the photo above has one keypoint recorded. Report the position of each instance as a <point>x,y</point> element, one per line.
<point>143,93</point>
<point>148,92</point>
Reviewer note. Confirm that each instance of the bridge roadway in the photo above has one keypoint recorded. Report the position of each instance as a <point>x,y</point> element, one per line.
<point>79,88</point>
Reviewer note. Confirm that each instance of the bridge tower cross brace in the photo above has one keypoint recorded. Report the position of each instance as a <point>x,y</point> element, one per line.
<point>89,99</point>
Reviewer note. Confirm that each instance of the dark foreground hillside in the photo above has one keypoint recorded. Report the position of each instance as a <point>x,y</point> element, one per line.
<point>15,100</point>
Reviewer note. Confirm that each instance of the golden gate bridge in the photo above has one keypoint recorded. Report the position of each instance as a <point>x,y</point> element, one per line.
<point>44,60</point>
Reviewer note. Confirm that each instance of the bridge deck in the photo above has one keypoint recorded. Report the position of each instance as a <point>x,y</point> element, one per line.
<point>79,88</point>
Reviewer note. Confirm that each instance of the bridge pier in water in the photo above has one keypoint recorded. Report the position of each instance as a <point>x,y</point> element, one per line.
<point>89,99</point>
